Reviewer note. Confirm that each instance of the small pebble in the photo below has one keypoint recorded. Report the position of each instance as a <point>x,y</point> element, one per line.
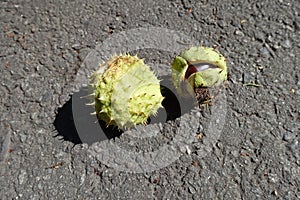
<point>22,176</point>
<point>294,145</point>
<point>270,39</point>
<point>288,136</point>
<point>259,36</point>
<point>192,190</point>
<point>246,78</point>
<point>275,193</point>
<point>286,44</point>
<point>76,46</point>
<point>264,52</point>
<point>238,32</point>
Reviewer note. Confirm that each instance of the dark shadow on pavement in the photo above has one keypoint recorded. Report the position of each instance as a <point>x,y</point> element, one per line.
<point>65,125</point>
<point>75,123</point>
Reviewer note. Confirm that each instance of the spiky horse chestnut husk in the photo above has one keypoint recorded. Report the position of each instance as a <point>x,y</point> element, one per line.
<point>203,68</point>
<point>127,93</point>
<point>200,66</point>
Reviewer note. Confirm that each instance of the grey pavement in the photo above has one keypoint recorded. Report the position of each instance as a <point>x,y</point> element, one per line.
<point>254,154</point>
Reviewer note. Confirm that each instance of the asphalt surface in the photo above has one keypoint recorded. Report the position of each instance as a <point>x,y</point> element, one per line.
<point>255,156</point>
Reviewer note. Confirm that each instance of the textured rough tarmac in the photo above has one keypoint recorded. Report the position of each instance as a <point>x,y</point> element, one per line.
<point>257,156</point>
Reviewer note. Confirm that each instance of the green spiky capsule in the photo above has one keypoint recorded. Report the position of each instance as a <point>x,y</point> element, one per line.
<point>200,66</point>
<point>127,93</point>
